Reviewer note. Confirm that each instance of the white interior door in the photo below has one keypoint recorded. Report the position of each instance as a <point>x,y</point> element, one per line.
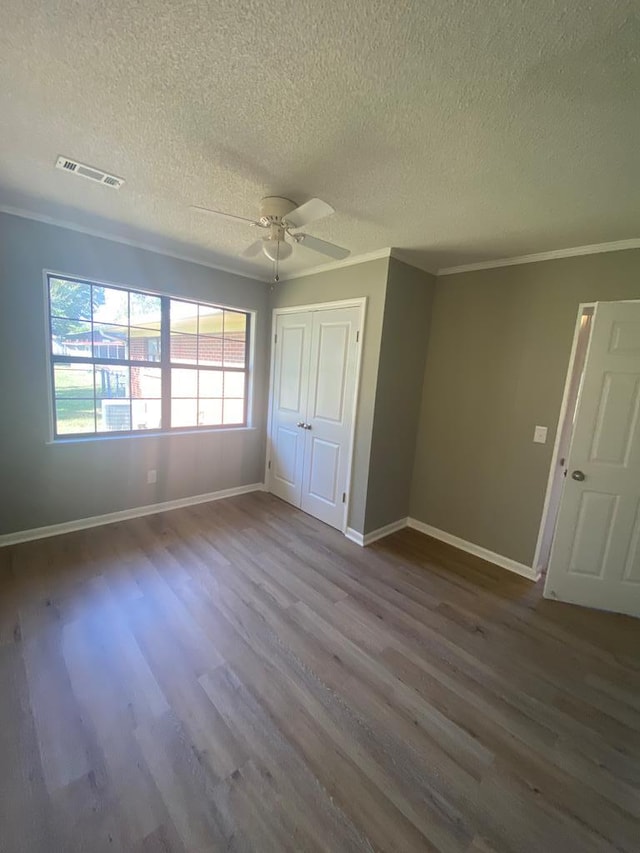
<point>595,559</point>
<point>290,394</point>
<point>329,418</point>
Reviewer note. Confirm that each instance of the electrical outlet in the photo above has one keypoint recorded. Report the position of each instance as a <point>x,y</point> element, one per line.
<point>152,476</point>
<point>540,435</point>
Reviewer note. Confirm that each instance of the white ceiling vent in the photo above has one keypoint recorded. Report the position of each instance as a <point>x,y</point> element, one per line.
<point>84,171</point>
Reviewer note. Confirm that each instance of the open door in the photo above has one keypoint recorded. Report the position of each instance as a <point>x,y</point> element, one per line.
<point>595,559</point>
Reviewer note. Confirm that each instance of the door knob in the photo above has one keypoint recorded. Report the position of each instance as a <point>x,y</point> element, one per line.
<point>578,475</point>
<point>307,426</point>
<point>300,424</point>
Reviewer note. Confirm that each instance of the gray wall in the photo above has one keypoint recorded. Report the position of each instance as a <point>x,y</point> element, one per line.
<point>403,349</point>
<point>43,484</point>
<point>496,359</point>
<point>496,364</point>
<point>370,280</point>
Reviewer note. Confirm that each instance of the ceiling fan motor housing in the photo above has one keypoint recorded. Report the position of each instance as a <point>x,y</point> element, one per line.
<point>273,209</point>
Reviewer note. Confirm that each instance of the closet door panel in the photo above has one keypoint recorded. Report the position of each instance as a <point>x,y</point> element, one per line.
<point>330,412</point>
<point>289,405</point>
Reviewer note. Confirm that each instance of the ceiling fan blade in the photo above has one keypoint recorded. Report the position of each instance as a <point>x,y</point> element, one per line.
<point>323,247</point>
<point>308,212</point>
<point>253,249</point>
<point>224,215</point>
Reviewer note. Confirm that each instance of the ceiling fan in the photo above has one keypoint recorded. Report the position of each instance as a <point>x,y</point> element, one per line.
<point>278,218</point>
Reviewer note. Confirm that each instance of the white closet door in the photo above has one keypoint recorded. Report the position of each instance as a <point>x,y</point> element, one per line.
<point>330,412</point>
<point>289,404</point>
<point>595,559</point>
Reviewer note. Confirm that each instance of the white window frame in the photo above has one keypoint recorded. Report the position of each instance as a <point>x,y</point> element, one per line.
<point>249,370</point>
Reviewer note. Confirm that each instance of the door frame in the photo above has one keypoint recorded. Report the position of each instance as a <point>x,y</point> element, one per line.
<point>583,308</point>
<point>356,302</point>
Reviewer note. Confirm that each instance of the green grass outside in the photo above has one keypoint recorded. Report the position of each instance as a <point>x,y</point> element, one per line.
<point>73,413</point>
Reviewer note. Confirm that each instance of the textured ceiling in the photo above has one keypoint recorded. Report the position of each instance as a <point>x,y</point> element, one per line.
<point>455,130</point>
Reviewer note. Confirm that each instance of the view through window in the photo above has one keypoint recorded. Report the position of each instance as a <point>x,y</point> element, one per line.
<point>128,361</point>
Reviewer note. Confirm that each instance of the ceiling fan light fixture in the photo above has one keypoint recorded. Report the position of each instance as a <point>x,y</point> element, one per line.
<point>276,250</point>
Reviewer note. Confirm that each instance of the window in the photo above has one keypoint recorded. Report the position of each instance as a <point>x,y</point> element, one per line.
<point>128,361</point>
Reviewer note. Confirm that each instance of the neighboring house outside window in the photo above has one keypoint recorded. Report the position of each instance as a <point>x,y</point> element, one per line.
<point>128,361</point>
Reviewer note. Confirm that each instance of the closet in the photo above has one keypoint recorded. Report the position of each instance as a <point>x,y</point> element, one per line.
<point>312,409</point>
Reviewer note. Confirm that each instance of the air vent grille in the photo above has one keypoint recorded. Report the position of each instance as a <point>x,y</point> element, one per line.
<point>89,172</point>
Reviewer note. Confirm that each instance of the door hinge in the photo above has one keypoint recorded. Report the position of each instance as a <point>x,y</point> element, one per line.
<point>344,497</point>
<point>275,339</point>
<point>269,465</point>
<point>357,337</point>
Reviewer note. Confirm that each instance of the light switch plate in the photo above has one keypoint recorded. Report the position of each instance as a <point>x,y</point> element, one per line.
<point>540,435</point>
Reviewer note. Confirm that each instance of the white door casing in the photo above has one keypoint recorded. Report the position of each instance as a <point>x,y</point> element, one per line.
<point>595,559</point>
<point>332,379</point>
<point>314,379</point>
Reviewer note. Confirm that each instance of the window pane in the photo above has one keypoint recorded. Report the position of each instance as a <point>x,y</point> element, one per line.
<point>112,382</point>
<point>114,415</point>
<point>70,299</point>
<point>210,351</point>
<point>146,414</point>
<point>110,341</point>
<point>210,412</point>
<point>143,345</point>
<point>70,337</point>
<point>235,336</point>
<point>210,320</point>
<point>75,415</point>
<point>184,413</point>
<point>210,383</point>
<point>233,411</point>
<point>184,383</point>
<point>184,348</point>
<point>145,310</point>
<point>110,305</point>
<point>73,380</point>
<point>146,382</point>
<point>233,384</point>
<point>103,325</point>
<point>183,316</point>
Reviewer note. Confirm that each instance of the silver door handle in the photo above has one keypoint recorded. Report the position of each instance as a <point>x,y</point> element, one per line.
<point>306,426</point>
<point>300,424</point>
<point>578,475</point>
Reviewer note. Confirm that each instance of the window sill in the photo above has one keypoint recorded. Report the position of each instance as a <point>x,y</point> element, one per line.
<point>150,434</point>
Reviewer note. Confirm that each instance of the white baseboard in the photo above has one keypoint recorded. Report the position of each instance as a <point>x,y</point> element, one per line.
<point>123,515</point>
<point>476,550</point>
<point>374,535</point>
<point>354,536</point>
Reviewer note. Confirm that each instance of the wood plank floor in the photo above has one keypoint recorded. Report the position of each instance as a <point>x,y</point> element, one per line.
<point>238,676</point>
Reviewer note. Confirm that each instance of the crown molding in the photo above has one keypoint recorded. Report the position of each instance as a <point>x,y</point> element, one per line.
<point>193,259</point>
<point>576,251</point>
<point>400,255</point>
<point>136,244</point>
<point>351,261</point>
